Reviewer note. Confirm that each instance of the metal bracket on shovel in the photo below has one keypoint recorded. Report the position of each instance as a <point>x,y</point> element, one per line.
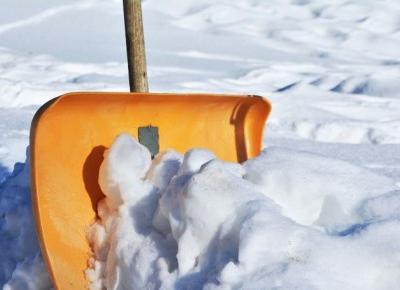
<point>148,137</point>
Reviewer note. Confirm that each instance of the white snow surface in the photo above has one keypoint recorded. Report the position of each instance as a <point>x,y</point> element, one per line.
<point>194,222</point>
<point>326,185</point>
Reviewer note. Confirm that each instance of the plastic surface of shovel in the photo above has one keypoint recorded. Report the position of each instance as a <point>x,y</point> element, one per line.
<point>70,133</point>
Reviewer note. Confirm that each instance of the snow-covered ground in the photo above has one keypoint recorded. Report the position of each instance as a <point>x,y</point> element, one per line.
<point>331,69</point>
<point>279,221</point>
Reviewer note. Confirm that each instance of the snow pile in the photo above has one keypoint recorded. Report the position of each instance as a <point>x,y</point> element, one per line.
<point>284,220</point>
<point>21,265</point>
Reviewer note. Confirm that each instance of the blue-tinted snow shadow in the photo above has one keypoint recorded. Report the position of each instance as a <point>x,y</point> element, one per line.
<point>4,173</point>
<point>18,239</point>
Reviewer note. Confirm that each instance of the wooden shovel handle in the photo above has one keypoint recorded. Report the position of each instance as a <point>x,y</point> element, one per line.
<point>135,46</point>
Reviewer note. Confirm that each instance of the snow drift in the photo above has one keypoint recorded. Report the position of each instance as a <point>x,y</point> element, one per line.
<point>283,220</point>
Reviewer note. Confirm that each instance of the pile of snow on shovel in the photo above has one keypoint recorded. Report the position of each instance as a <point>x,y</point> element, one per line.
<point>195,222</point>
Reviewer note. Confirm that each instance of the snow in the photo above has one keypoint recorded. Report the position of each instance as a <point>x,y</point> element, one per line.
<point>209,224</point>
<point>114,175</point>
<point>330,171</point>
<point>327,189</point>
<point>21,266</point>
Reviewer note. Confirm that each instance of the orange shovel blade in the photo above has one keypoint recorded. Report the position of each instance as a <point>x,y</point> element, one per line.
<point>70,134</point>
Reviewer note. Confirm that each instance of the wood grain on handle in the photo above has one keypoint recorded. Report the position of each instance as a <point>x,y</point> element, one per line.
<point>135,46</point>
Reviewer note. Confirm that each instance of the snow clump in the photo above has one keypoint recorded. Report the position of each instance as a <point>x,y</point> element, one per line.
<point>284,220</point>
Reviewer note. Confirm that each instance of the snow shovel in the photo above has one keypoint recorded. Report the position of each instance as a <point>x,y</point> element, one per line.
<point>70,133</point>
